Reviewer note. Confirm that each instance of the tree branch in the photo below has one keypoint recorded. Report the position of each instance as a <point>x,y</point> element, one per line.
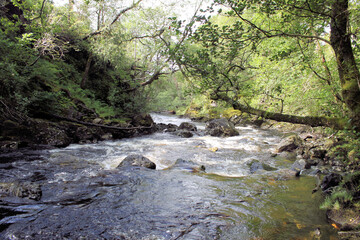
<point>154,77</point>
<point>41,11</point>
<point>269,34</point>
<point>134,5</point>
<point>336,123</point>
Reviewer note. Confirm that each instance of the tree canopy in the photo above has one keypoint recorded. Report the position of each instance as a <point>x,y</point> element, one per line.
<point>282,50</point>
<point>288,60</point>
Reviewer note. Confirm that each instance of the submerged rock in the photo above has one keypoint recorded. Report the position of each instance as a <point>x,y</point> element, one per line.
<point>137,160</point>
<point>221,128</point>
<point>187,165</point>
<point>256,165</point>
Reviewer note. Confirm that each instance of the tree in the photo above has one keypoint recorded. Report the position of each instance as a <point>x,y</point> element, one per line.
<point>250,24</point>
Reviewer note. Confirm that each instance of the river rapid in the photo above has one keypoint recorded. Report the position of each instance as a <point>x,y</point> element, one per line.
<point>84,195</point>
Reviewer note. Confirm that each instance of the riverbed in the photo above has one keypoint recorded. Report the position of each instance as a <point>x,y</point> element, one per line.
<point>84,195</point>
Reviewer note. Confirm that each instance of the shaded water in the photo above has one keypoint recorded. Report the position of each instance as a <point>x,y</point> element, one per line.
<point>85,196</point>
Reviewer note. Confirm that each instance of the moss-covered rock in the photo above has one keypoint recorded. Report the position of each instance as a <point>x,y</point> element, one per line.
<point>221,128</point>
<point>289,144</point>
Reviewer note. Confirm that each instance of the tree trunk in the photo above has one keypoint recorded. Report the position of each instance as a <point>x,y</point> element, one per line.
<point>71,9</point>
<point>86,72</point>
<point>336,123</point>
<point>348,72</point>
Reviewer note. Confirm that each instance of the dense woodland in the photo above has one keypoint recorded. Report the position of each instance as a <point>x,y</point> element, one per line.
<point>286,60</point>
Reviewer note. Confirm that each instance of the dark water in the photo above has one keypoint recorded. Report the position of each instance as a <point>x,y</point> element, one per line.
<point>84,196</point>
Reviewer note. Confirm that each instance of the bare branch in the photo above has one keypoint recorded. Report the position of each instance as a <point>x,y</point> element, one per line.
<point>41,10</point>
<point>134,5</point>
<point>154,77</point>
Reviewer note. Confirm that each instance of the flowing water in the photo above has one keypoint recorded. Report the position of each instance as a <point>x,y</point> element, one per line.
<point>84,196</point>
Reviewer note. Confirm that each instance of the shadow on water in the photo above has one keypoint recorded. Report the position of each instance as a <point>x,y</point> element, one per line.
<point>84,196</point>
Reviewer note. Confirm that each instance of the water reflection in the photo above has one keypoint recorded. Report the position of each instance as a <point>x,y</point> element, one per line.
<point>85,196</point>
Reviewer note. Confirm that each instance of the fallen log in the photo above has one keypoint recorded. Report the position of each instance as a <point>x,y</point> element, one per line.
<point>314,121</point>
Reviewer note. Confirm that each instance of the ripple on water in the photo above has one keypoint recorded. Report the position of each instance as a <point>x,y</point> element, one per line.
<point>85,196</point>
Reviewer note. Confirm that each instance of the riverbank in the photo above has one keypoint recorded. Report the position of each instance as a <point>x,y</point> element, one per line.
<point>85,194</point>
<point>59,131</point>
<point>307,144</point>
<point>332,156</point>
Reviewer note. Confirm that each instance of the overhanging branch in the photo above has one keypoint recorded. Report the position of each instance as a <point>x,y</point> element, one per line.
<point>134,5</point>
<point>336,123</point>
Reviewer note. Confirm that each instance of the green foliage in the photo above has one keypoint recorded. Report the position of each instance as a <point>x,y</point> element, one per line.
<point>345,195</point>
<point>338,199</point>
<point>348,149</point>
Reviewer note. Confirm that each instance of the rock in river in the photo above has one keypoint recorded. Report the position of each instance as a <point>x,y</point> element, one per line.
<point>188,126</point>
<point>221,128</point>
<point>137,160</point>
<point>187,166</point>
<point>289,144</point>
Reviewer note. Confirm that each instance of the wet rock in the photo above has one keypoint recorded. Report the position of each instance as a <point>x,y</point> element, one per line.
<point>318,153</point>
<point>298,165</point>
<point>161,127</point>
<point>187,166</point>
<point>6,146</point>
<point>188,126</point>
<point>22,190</point>
<point>221,128</point>
<point>344,219</point>
<point>311,162</point>
<point>349,235</point>
<point>143,120</point>
<point>256,165</point>
<point>289,144</point>
<point>137,160</point>
<point>330,181</point>
<point>97,121</point>
<point>86,135</point>
<point>184,134</point>
<point>107,136</point>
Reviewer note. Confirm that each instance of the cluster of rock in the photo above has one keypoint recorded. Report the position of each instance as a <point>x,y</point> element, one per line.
<point>217,128</point>
<point>60,132</point>
<point>313,158</point>
<point>312,152</point>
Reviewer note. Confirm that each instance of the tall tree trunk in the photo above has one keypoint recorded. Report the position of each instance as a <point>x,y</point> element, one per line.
<point>86,72</point>
<point>348,71</point>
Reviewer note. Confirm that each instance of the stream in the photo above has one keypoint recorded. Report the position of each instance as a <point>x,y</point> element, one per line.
<point>84,195</point>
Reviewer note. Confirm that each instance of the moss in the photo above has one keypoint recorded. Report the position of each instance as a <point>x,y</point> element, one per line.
<point>350,85</point>
<point>231,112</point>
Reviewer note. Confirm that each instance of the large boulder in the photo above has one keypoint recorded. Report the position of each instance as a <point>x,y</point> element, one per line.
<point>188,126</point>
<point>137,160</point>
<point>162,127</point>
<point>289,144</point>
<point>221,128</point>
<point>330,181</point>
<point>184,134</point>
<point>142,120</point>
